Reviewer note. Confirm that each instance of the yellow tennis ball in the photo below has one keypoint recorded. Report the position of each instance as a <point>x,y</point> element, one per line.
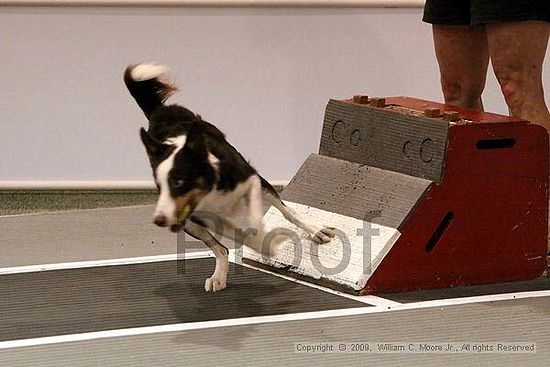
<point>184,213</point>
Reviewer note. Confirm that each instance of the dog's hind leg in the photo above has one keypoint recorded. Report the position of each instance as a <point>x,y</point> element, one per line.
<point>319,233</point>
<point>218,280</point>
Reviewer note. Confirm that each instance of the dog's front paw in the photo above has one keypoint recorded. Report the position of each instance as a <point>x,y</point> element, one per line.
<point>322,234</point>
<point>215,283</point>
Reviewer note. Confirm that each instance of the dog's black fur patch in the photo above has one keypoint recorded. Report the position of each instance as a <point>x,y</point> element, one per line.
<point>191,166</point>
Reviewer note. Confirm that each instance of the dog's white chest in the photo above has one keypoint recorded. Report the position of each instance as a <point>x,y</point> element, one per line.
<point>231,206</point>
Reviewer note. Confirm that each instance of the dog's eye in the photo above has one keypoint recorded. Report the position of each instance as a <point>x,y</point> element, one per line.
<point>177,183</point>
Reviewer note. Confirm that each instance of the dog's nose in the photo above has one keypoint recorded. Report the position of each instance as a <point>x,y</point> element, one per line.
<point>160,220</point>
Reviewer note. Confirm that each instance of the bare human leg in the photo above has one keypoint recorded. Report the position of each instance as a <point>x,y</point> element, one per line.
<point>517,53</point>
<point>463,58</point>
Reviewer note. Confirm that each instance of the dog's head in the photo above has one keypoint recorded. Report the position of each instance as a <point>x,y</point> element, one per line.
<point>183,173</point>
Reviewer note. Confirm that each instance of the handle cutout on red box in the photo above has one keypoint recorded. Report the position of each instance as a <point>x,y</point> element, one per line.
<point>445,222</point>
<point>503,143</point>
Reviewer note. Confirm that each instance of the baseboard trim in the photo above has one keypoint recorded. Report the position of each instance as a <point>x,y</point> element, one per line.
<point>218,3</point>
<point>92,185</point>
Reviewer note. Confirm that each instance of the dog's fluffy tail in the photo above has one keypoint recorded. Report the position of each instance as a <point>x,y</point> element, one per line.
<point>149,85</point>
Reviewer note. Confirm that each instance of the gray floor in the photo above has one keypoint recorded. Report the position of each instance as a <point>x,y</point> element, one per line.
<point>272,344</point>
<point>94,234</point>
<point>128,232</point>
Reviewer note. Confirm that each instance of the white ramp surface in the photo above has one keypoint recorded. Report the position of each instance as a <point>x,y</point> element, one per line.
<point>349,259</point>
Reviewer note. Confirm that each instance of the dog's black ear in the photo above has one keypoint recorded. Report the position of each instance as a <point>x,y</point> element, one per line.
<point>195,143</point>
<point>154,147</point>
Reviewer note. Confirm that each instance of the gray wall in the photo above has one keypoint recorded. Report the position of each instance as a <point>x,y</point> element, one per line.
<point>262,75</point>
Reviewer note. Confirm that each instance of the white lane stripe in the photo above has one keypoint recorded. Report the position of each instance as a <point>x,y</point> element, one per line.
<point>371,300</point>
<point>378,301</point>
<point>478,299</point>
<point>260,320</point>
<point>110,262</point>
<point>178,327</point>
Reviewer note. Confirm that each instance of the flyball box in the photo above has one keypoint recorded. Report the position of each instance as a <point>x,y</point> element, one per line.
<point>422,195</point>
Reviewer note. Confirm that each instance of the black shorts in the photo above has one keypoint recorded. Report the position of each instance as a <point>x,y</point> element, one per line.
<point>473,12</point>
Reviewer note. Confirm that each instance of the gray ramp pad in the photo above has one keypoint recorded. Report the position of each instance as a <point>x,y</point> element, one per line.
<point>414,145</point>
<point>346,262</point>
<point>355,190</point>
<point>366,205</point>
<point>113,297</point>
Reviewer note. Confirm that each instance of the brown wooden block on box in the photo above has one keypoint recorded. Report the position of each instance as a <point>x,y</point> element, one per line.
<point>432,112</point>
<point>451,116</point>
<point>361,99</point>
<point>377,102</point>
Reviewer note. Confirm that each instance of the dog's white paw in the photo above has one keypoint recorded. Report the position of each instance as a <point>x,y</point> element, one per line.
<point>215,283</point>
<point>322,234</point>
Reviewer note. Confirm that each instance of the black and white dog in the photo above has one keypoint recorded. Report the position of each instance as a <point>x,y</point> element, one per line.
<point>197,171</point>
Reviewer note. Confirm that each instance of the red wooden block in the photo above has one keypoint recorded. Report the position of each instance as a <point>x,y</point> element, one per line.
<point>486,220</point>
